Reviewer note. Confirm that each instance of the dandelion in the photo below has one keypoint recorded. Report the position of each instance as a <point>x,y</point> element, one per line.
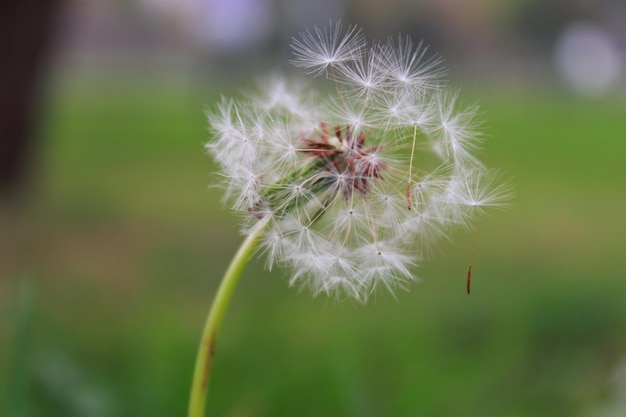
<point>348,190</point>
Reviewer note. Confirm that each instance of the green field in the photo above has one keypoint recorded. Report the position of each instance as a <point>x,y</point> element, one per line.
<point>122,244</point>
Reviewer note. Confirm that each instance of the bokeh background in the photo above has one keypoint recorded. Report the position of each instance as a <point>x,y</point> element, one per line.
<point>112,241</point>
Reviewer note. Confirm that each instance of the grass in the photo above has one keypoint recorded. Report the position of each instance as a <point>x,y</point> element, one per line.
<point>124,245</point>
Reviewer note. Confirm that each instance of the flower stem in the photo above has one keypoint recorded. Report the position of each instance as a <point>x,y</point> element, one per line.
<point>214,320</point>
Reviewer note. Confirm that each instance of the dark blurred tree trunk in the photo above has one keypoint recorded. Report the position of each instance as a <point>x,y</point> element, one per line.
<point>25,35</point>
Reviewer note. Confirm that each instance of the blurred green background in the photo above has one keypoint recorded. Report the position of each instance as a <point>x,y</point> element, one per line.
<point>109,261</point>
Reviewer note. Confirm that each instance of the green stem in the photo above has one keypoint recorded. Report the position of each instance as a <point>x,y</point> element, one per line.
<point>214,320</point>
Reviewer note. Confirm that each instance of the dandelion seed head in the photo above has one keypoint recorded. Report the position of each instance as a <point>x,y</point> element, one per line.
<point>356,186</point>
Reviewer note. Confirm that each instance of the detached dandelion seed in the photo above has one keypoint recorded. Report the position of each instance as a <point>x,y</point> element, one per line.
<point>348,191</point>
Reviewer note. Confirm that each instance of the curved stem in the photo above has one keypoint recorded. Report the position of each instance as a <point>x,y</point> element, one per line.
<point>214,320</point>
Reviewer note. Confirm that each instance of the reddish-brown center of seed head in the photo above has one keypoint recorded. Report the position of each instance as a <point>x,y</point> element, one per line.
<point>351,165</point>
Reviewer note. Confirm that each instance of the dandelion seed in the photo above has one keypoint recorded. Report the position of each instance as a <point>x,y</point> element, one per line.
<point>407,66</point>
<point>327,48</point>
